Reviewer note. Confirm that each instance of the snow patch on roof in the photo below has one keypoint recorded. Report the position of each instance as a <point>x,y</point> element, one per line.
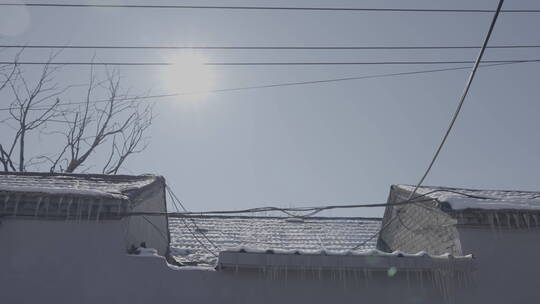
<point>73,184</point>
<point>461,199</point>
<point>265,234</point>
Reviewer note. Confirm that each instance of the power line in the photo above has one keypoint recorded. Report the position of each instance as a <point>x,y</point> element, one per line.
<point>291,63</point>
<point>452,122</point>
<point>186,214</point>
<point>265,47</point>
<point>462,99</point>
<point>285,84</point>
<point>270,8</point>
<point>176,200</point>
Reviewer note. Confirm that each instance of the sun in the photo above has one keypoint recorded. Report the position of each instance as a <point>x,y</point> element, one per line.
<point>189,74</point>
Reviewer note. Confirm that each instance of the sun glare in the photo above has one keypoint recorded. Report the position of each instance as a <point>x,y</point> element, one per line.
<point>189,74</point>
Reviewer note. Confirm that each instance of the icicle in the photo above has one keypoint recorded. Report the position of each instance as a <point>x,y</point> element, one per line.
<point>527,220</point>
<point>516,219</point>
<point>36,211</point>
<point>498,220</point>
<point>535,218</point>
<point>491,221</point>
<point>68,208</point>
<point>16,207</point>
<point>461,217</point>
<point>59,207</point>
<point>366,278</point>
<point>99,210</point>
<point>119,208</point>
<point>344,278</point>
<point>47,207</point>
<point>6,200</point>
<point>90,205</point>
<point>79,210</point>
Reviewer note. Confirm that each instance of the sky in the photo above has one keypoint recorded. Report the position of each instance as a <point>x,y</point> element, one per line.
<point>321,144</point>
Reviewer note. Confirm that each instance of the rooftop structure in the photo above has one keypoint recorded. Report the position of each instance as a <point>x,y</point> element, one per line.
<point>199,239</point>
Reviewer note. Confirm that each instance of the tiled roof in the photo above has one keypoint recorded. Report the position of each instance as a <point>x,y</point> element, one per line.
<point>460,199</point>
<point>266,233</point>
<point>90,185</point>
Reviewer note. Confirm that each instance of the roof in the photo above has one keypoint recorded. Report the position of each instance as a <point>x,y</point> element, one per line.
<point>461,199</point>
<point>190,236</point>
<point>87,185</point>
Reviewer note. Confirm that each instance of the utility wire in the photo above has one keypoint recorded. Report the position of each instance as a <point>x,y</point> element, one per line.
<point>427,196</point>
<point>285,84</point>
<point>462,99</point>
<point>290,63</point>
<point>266,47</point>
<point>452,122</point>
<point>175,200</point>
<point>271,8</point>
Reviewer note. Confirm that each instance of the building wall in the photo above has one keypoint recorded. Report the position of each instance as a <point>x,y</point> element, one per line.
<point>417,227</point>
<point>83,262</point>
<point>508,263</point>
<point>152,230</point>
<point>505,245</point>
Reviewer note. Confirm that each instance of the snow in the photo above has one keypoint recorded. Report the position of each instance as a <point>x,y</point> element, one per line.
<point>461,199</point>
<point>67,184</point>
<point>147,252</point>
<point>370,252</point>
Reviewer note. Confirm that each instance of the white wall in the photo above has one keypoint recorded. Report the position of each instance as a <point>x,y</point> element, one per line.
<point>65,262</point>
<point>508,263</point>
<point>153,230</point>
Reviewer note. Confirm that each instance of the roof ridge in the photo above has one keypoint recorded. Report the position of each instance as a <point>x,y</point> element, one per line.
<point>466,189</point>
<point>80,175</point>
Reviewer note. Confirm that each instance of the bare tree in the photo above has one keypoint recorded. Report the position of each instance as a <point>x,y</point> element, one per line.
<point>7,71</point>
<point>88,127</point>
<point>118,119</point>
<point>31,106</point>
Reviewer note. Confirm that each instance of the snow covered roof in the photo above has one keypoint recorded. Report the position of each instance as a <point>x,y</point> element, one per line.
<point>190,236</point>
<point>87,185</point>
<point>461,199</point>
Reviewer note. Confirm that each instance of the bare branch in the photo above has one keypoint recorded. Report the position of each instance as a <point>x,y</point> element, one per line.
<point>36,107</point>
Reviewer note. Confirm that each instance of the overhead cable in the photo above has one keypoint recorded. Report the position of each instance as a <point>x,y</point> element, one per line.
<point>262,47</point>
<point>261,63</point>
<point>267,8</point>
<point>176,201</point>
<point>284,84</point>
<point>452,121</point>
<point>462,99</point>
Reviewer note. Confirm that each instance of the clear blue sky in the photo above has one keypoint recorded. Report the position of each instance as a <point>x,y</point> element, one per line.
<point>343,142</point>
